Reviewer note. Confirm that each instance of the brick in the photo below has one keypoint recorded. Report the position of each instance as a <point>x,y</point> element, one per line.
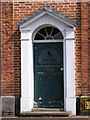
<point>12,13</point>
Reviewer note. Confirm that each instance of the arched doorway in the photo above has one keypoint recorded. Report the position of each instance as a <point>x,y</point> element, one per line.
<point>28,28</point>
<point>48,68</point>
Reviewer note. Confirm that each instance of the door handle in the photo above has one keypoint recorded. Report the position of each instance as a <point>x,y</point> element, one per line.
<point>40,98</point>
<point>61,69</point>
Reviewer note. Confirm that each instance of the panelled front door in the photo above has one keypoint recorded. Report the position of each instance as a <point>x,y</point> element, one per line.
<point>48,75</point>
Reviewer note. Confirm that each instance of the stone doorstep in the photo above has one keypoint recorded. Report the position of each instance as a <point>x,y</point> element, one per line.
<point>47,109</point>
<point>46,114</point>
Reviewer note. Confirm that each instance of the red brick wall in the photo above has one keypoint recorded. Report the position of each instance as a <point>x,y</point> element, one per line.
<point>7,50</point>
<point>89,51</point>
<point>84,47</point>
<point>11,56</point>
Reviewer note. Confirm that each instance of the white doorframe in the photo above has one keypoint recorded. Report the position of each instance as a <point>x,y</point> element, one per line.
<point>27,78</point>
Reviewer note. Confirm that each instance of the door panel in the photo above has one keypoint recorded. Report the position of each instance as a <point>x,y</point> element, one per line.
<point>48,77</point>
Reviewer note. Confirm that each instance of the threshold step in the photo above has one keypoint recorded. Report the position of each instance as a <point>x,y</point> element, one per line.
<point>47,109</point>
<point>46,114</point>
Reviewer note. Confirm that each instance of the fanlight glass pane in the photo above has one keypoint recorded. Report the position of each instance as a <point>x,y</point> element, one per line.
<point>55,31</point>
<point>48,33</point>
<point>43,32</point>
<point>48,29</point>
<point>58,35</point>
<point>39,37</point>
<point>49,37</point>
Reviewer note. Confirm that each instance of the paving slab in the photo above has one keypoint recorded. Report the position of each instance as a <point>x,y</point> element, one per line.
<point>47,118</point>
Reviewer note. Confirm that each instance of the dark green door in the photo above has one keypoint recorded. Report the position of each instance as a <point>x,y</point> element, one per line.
<point>48,75</point>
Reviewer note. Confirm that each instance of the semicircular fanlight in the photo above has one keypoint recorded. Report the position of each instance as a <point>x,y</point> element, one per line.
<point>48,33</point>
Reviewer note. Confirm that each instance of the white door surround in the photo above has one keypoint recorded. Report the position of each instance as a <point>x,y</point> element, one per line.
<point>28,30</point>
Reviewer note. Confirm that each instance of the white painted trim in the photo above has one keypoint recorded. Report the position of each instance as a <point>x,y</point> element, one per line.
<point>61,20</point>
<point>64,65</point>
<point>71,105</point>
<point>46,41</point>
<point>33,19</point>
<point>24,39</point>
<point>40,15</point>
<point>24,30</point>
<point>70,71</point>
<point>27,69</point>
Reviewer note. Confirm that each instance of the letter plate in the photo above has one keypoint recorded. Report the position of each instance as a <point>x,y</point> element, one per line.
<point>87,105</point>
